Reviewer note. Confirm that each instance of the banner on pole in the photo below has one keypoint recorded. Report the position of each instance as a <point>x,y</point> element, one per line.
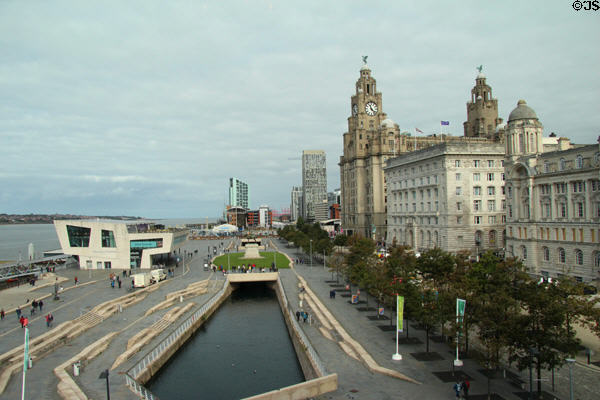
<point>400,313</point>
<point>354,299</point>
<point>460,309</point>
<point>26,352</point>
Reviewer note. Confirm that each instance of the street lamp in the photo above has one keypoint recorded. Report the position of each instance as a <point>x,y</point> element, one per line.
<point>104,375</point>
<point>311,253</point>
<point>570,361</point>
<point>532,352</point>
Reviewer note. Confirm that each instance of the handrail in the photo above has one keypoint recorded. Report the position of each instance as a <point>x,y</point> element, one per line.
<point>134,372</point>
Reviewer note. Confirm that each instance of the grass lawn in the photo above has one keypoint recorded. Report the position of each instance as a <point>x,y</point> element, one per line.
<point>235,259</point>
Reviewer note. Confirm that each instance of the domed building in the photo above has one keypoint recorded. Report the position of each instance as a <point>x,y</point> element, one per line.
<point>552,200</point>
<point>482,111</point>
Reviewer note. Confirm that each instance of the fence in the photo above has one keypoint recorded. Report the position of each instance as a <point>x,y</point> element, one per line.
<point>302,337</point>
<point>141,366</point>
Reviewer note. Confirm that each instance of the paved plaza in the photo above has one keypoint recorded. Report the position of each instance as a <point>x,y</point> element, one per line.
<point>355,380</point>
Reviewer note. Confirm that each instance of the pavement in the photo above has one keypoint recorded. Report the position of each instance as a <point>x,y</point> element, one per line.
<point>356,381</point>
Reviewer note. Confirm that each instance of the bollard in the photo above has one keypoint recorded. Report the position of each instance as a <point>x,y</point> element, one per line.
<point>30,363</point>
<point>120,308</point>
<point>181,299</point>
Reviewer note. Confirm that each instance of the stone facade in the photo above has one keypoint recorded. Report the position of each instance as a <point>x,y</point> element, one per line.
<point>553,200</point>
<point>450,196</point>
<point>482,111</point>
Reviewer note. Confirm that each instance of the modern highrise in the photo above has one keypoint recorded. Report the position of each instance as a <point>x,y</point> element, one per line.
<point>314,182</point>
<point>296,203</point>
<point>239,193</point>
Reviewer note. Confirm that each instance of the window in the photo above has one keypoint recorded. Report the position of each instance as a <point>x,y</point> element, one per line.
<point>491,190</point>
<point>78,236</point>
<point>492,219</point>
<point>597,259</point>
<point>477,205</point>
<point>595,185</point>
<point>580,209</point>
<point>477,220</point>
<point>459,220</point>
<point>108,239</point>
<point>490,163</point>
<point>491,205</point>
<point>490,176</point>
<point>562,164</point>
<point>546,253</point>
<point>476,163</point>
<point>458,206</point>
<point>476,177</point>
<point>503,204</point>
<point>524,252</point>
<point>510,213</point>
<point>578,257</point>
<point>457,176</point>
<point>457,163</point>
<point>578,187</point>
<point>561,255</point>
<point>458,190</point>
<point>563,210</point>
<point>579,162</point>
<point>503,176</point>
<point>477,190</point>
<point>509,191</point>
<point>546,167</point>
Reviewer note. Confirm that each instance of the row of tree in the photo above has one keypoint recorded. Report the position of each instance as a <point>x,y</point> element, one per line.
<point>513,317</point>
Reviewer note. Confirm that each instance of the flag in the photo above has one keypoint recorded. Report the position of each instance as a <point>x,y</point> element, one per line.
<point>445,122</point>
<point>354,299</point>
<point>418,130</point>
<point>400,313</point>
<point>26,350</point>
<point>380,310</point>
<point>460,309</point>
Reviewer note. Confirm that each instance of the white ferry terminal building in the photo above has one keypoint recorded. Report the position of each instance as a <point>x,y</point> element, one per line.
<point>103,244</point>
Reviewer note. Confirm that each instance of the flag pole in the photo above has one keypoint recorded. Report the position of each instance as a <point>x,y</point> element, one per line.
<point>397,356</point>
<point>25,360</point>
<point>458,362</point>
<point>415,140</point>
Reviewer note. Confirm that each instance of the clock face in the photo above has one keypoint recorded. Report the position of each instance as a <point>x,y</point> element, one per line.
<point>354,110</point>
<point>371,108</point>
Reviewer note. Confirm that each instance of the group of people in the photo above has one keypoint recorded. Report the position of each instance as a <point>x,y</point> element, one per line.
<point>115,280</point>
<point>302,314</point>
<point>462,387</point>
<point>24,321</point>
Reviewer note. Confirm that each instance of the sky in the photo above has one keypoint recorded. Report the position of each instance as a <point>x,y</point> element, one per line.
<point>146,108</point>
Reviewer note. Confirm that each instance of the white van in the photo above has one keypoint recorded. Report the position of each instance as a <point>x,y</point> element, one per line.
<point>158,275</point>
<point>141,280</point>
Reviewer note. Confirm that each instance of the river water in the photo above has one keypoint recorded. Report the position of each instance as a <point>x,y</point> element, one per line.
<point>242,350</point>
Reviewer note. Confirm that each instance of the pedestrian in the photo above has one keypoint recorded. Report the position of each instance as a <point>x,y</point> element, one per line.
<point>334,293</point>
<point>132,283</point>
<point>466,385</point>
<point>18,311</point>
<point>32,311</point>
<point>298,316</point>
<point>34,303</point>
<point>112,283</point>
<point>120,284</point>
<point>457,387</point>
<point>22,321</point>
<point>25,321</point>
<point>2,314</point>
<point>48,321</point>
<point>76,280</point>
<point>40,305</point>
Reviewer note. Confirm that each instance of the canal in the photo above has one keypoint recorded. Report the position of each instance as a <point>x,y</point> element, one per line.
<point>244,349</point>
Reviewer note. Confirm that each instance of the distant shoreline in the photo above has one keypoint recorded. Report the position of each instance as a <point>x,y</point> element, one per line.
<point>42,219</point>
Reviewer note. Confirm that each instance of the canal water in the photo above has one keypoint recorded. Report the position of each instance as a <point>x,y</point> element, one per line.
<point>244,349</point>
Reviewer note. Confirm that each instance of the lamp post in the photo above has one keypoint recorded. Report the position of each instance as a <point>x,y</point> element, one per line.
<point>532,352</point>
<point>104,375</point>
<point>570,361</point>
<point>311,253</point>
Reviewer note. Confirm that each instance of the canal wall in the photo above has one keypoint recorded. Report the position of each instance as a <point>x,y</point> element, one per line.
<point>151,363</point>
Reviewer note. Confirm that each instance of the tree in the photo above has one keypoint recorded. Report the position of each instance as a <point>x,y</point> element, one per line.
<point>340,240</point>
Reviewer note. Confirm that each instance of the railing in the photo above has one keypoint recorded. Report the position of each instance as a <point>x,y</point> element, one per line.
<point>303,339</point>
<point>141,366</point>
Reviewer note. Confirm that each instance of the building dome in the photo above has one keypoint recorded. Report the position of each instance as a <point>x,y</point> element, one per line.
<point>365,67</point>
<point>481,75</point>
<point>523,111</point>
<point>387,123</point>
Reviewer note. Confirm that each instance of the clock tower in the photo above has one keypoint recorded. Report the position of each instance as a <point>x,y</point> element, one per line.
<point>371,139</point>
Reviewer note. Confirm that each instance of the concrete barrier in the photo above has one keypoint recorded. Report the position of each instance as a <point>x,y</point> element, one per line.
<point>305,390</point>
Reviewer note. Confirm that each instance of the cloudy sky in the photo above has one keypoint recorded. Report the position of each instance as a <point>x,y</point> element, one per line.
<point>148,107</point>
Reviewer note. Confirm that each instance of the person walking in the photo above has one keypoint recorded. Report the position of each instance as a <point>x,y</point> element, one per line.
<point>112,283</point>
<point>466,385</point>
<point>22,321</point>
<point>47,320</point>
<point>18,311</point>
<point>2,314</point>
<point>76,280</point>
<point>457,387</point>
<point>40,305</point>
<point>120,282</point>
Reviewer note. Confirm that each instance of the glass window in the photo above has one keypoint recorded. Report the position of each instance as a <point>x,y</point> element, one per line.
<point>458,190</point>
<point>476,177</point>
<point>490,176</point>
<point>108,238</point>
<point>579,161</point>
<point>561,255</point>
<point>457,176</point>
<point>476,163</point>
<point>491,205</point>
<point>490,163</point>
<point>477,220</point>
<point>578,257</point>
<point>458,206</point>
<point>546,252</point>
<point>457,163</point>
<point>524,252</point>
<point>562,164</point>
<point>476,205</point>
<point>491,190</point>
<point>78,236</point>
<point>477,190</point>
